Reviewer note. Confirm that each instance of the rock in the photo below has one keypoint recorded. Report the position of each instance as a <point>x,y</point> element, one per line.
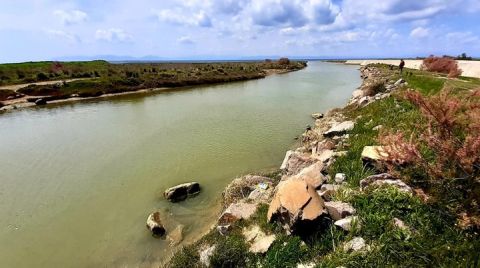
<point>40,102</point>
<point>154,224</point>
<point>374,156</point>
<point>312,175</point>
<point>357,93</point>
<point>346,223</point>
<point>340,177</point>
<point>245,186</point>
<point>339,210</point>
<point>297,162</point>
<point>260,195</point>
<point>363,101</point>
<point>260,242</point>
<point>377,128</point>
<point>385,179</point>
<point>182,191</point>
<point>295,203</point>
<point>235,212</point>
<point>324,156</point>
<point>399,224</point>
<point>285,160</point>
<point>327,191</point>
<point>356,244</point>
<point>317,115</point>
<point>339,129</point>
<point>399,82</point>
<point>205,253</point>
<point>176,236</point>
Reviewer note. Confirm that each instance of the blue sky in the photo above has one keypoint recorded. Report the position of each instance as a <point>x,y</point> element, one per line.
<point>230,29</point>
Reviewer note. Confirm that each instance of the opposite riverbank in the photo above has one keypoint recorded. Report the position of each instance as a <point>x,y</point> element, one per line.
<point>337,201</point>
<point>29,84</point>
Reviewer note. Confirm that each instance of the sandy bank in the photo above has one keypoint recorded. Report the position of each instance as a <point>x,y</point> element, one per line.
<point>469,68</point>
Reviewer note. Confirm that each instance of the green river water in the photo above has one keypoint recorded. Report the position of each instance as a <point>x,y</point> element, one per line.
<point>77,181</point>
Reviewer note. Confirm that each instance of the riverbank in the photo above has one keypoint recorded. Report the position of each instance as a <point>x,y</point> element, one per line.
<point>352,213</point>
<point>107,80</point>
<point>470,68</point>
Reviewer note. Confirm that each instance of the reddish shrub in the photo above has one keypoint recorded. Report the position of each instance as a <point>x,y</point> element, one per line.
<point>444,65</point>
<point>447,151</point>
<point>284,61</point>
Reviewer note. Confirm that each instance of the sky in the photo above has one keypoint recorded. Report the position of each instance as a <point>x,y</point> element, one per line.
<point>236,29</point>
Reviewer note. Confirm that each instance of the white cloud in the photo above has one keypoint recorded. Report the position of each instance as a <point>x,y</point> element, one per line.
<point>186,40</point>
<point>177,17</point>
<point>420,32</point>
<point>113,35</point>
<point>62,34</point>
<point>69,17</point>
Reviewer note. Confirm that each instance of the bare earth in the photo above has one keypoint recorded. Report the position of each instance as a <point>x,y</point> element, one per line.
<point>469,68</point>
<point>19,86</point>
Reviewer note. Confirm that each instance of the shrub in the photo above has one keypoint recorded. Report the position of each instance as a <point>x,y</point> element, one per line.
<point>445,156</point>
<point>286,252</point>
<point>284,61</point>
<point>230,252</point>
<point>444,65</point>
<point>375,88</point>
<point>186,257</point>
<point>42,76</point>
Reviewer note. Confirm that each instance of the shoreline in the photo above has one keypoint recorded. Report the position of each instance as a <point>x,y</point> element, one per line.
<point>22,103</point>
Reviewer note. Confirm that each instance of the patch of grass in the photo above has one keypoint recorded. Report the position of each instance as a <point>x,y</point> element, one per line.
<point>232,251</point>
<point>186,257</point>
<point>286,251</point>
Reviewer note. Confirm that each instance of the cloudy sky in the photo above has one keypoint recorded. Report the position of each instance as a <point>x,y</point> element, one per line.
<point>230,29</point>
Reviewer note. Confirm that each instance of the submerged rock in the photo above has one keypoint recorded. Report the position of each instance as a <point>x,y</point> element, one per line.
<point>176,236</point>
<point>182,191</point>
<point>154,224</point>
<point>41,102</point>
<point>294,203</point>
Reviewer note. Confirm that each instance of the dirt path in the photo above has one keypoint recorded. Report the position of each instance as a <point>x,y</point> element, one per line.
<point>19,86</point>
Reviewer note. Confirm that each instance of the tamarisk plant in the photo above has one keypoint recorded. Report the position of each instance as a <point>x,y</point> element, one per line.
<point>445,151</point>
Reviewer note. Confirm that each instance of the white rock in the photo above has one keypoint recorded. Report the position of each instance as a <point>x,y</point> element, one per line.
<point>317,115</point>
<point>356,244</point>
<point>399,82</point>
<point>205,255</point>
<point>346,223</point>
<point>400,224</point>
<point>306,265</point>
<point>327,190</point>
<point>340,177</point>
<point>339,210</point>
<point>285,160</point>
<point>340,129</point>
<point>357,93</point>
<point>260,242</point>
<point>377,128</point>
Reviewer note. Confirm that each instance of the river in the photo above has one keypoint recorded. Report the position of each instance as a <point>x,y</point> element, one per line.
<point>78,180</point>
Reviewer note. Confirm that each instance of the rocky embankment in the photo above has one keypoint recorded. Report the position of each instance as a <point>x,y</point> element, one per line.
<point>301,196</point>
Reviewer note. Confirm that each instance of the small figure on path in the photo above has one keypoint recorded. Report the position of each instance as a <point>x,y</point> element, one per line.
<point>402,64</point>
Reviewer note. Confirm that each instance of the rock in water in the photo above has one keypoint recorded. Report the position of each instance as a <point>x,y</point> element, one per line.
<point>294,203</point>
<point>317,115</point>
<point>154,224</point>
<point>40,102</point>
<point>182,191</point>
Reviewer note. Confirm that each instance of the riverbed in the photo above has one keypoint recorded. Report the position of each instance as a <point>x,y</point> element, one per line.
<point>78,180</point>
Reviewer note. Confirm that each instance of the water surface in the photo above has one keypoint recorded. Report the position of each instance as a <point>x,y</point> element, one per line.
<point>78,181</point>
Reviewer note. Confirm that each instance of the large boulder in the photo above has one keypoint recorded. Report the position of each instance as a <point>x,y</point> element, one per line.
<point>154,224</point>
<point>182,191</point>
<point>339,129</point>
<point>339,210</point>
<point>385,179</point>
<point>295,203</point>
<point>312,175</point>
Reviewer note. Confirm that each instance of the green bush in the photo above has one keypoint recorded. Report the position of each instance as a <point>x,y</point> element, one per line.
<point>231,251</point>
<point>186,257</point>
